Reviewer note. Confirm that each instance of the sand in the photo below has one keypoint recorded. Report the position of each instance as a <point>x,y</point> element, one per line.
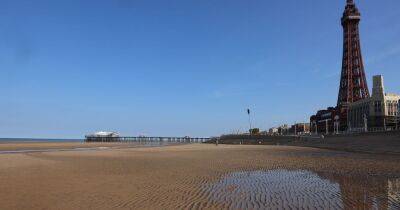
<point>188,177</point>
<point>17,146</point>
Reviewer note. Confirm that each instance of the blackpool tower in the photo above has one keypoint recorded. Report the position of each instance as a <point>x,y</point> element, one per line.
<point>353,85</point>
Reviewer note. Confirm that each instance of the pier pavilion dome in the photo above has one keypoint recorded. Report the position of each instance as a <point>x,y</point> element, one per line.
<point>103,134</point>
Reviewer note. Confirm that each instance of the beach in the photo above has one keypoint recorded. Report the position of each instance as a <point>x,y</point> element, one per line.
<point>196,176</point>
<point>24,147</point>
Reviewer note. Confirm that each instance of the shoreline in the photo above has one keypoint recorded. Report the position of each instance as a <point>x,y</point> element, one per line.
<point>34,147</point>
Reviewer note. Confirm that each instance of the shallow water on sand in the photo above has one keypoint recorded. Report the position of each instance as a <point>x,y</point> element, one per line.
<point>301,189</point>
<point>88,147</point>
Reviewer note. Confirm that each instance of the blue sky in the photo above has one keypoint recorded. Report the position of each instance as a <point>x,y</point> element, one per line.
<point>179,67</point>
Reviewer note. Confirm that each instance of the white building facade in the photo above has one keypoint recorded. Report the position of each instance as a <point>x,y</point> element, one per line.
<point>381,111</point>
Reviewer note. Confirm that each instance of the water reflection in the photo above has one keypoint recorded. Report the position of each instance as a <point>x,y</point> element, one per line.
<point>283,189</point>
<point>366,192</point>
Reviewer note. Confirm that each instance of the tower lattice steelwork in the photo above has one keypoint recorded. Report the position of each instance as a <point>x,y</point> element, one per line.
<point>353,85</point>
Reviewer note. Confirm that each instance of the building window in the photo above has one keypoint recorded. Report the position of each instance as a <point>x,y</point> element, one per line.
<point>357,81</point>
<point>392,108</point>
<point>378,107</point>
<point>398,107</point>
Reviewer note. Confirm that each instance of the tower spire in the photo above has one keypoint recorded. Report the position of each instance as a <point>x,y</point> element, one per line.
<point>353,84</point>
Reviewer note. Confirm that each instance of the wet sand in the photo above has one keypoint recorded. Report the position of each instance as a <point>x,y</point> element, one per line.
<point>199,176</point>
<point>20,146</point>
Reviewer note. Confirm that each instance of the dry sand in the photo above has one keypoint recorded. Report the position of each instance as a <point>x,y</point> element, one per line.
<point>174,177</point>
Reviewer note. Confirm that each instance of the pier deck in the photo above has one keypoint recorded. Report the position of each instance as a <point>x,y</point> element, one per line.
<point>145,139</point>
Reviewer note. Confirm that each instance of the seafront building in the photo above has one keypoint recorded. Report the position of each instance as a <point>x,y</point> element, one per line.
<point>380,111</point>
<point>283,129</point>
<point>278,131</point>
<point>296,129</point>
<point>273,131</point>
<point>300,129</point>
<point>325,121</point>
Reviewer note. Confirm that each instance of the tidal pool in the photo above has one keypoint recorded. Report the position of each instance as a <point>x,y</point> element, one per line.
<point>301,189</point>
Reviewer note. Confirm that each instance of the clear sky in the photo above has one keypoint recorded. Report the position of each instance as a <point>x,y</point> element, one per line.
<point>179,67</point>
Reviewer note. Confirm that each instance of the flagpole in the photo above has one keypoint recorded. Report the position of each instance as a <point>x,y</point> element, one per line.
<point>248,112</point>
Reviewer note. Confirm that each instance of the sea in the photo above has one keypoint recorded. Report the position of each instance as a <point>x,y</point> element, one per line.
<point>17,140</point>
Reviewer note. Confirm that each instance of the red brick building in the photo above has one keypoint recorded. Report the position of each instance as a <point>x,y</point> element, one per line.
<point>324,121</point>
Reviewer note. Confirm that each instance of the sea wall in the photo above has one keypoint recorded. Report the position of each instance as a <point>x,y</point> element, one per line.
<point>374,143</point>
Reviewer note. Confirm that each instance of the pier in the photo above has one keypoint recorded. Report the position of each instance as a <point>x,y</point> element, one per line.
<point>145,139</point>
